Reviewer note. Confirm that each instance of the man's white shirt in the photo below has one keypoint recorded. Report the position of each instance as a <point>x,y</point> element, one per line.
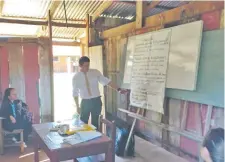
<point>94,78</point>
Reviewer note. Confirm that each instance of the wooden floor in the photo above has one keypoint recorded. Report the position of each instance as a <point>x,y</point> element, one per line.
<point>145,152</point>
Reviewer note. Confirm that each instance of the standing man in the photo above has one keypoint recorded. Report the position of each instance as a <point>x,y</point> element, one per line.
<point>85,85</point>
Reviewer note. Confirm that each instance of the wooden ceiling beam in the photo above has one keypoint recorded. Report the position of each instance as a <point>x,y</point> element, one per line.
<point>105,5</point>
<point>43,19</point>
<point>43,23</point>
<point>56,43</point>
<point>140,13</point>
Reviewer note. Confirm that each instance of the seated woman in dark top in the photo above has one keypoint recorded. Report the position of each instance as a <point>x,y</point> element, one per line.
<point>213,146</point>
<point>24,116</point>
<point>12,117</point>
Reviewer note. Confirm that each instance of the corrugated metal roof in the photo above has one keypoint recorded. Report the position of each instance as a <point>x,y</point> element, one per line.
<point>155,11</point>
<point>128,11</point>
<point>172,3</point>
<point>76,10</point>
<point>25,8</point>
<point>120,10</point>
<point>167,4</point>
<point>63,32</point>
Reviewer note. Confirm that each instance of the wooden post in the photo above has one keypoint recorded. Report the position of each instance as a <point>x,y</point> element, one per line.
<point>141,8</point>
<point>51,63</point>
<point>87,34</point>
<point>82,49</point>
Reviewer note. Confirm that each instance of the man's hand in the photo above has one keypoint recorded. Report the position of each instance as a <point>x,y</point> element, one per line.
<point>123,91</point>
<point>78,110</point>
<point>13,120</point>
<point>77,104</point>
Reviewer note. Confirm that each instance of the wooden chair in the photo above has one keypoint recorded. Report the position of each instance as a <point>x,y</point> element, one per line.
<point>4,133</point>
<point>112,127</point>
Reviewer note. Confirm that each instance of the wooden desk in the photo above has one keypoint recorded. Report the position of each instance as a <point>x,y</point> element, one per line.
<point>63,152</point>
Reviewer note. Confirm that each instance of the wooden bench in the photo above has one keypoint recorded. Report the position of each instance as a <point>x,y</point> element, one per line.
<point>4,133</point>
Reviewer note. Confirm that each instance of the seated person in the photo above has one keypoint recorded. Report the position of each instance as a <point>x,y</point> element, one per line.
<point>24,116</point>
<point>213,146</point>
<point>12,118</point>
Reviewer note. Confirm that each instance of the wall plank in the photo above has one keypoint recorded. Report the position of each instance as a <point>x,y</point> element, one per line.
<point>16,71</point>
<point>222,20</point>
<point>31,74</point>
<point>4,71</point>
<point>45,84</point>
<point>175,120</point>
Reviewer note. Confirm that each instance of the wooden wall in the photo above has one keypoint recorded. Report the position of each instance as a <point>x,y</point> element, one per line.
<point>194,117</point>
<point>24,65</point>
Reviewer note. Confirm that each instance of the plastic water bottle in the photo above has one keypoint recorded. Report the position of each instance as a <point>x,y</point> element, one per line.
<point>76,118</point>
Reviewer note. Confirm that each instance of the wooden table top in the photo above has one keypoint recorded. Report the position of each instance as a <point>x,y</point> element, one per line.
<point>43,131</point>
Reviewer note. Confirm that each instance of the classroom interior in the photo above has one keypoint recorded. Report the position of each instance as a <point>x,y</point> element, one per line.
<point>42,41</point>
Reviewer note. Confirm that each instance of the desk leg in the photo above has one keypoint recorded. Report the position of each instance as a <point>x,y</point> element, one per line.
<point>110,156</point>
<point>54,157</point>
<point>1,139</point>
<point>36,148</point>
<point>36,154</point>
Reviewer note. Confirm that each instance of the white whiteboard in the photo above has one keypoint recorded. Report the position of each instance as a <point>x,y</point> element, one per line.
<point>184,55</point>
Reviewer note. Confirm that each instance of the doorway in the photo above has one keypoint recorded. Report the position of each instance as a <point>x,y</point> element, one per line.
<point>65,65</point>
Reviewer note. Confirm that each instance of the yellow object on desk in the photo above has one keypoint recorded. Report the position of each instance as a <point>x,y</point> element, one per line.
<point>86,127</point>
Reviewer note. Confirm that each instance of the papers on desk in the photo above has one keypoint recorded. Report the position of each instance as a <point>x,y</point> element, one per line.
<point>83,136</point>
<point>79,137</point>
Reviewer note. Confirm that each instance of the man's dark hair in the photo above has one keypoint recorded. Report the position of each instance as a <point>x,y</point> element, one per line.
<point>214,142</point>
<point>83,59</point>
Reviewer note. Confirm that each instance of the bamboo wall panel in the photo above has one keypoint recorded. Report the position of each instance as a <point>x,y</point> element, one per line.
<point>16,71</point>
<point>45,83</point>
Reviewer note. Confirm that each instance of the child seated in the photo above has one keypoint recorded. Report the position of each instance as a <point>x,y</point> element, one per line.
<point>213,146</point>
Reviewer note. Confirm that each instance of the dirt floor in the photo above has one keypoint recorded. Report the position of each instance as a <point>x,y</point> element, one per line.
<point>145,152</point>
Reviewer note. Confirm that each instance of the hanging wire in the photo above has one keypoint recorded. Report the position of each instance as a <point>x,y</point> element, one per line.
<point>64,5</point>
